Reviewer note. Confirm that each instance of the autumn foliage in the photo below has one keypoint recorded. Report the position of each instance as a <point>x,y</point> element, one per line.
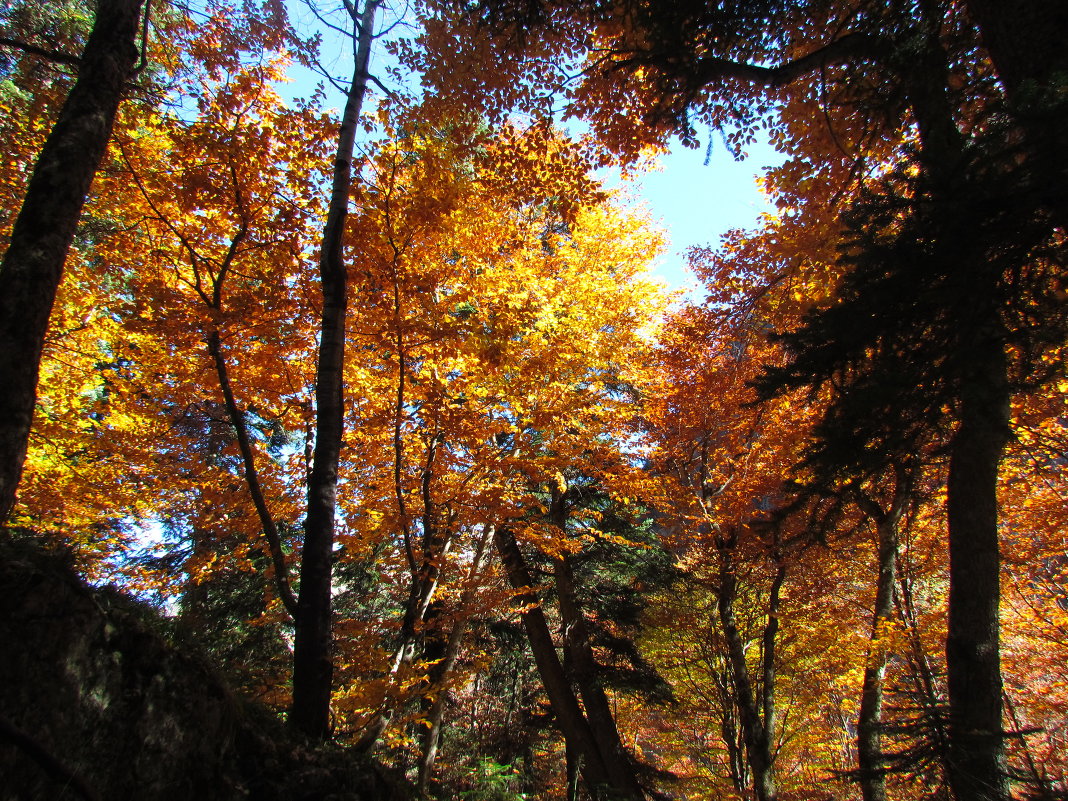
<point>590,538</point>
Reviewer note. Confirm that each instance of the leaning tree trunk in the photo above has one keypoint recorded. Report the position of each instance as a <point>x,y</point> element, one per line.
<point>569,717</point>
<point>583,669</point>
<point>44,230</point>
<point>313,642</point>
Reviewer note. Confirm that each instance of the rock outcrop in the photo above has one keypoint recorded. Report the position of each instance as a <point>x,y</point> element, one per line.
<point>96,703</point>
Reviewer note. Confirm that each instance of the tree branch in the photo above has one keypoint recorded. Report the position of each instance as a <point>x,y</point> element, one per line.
<point>34,50</point>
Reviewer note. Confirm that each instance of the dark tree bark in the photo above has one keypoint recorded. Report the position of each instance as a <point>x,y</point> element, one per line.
<point>1025,40</point>
<point>252,477</point>
<point>63,776</point>
<point>978,768</point>
<point>313,644</point>
<point>572,722</point>
<point>976,356</point>
<point>44,230</point>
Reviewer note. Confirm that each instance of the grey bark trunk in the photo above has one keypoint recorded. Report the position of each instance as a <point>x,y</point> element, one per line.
<point>870,759</point>
<point>32,267</point>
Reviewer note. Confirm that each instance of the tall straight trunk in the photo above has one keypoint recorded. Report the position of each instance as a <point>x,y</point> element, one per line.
<point>43,232</point>
<point>572,722</point>
<point>977,744</point>
<point>977,761</point>
<point>870,768</point>
<point>313,642</point>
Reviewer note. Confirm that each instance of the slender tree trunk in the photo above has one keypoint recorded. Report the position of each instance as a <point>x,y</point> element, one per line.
<point>978,769</point>
<point>573,767</point>
<point>313,642</point>
<point>927,697</point>
<point>757,736</point>
<point>572,722</point>
<point>442,670</point>
<point>32,267</point>
<point>424,570</point>
<point>869,723</point>
<point>252,477</point>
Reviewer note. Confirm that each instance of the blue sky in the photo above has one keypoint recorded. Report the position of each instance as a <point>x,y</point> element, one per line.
<point>695,202</point>
<point>698,203</point>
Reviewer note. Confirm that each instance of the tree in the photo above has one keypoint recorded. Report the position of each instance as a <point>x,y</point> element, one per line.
<point>910,47</point>
<point>32,266</point>
<point>312,648</point>
<point>478,391</point>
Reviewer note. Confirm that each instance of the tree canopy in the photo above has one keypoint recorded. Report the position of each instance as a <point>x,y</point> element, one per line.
<point>381,406</point>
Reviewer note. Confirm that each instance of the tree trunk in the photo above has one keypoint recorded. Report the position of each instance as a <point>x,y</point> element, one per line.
<point>44,230</point>
<point>572,722</point>
<point>977,744</point>
<point>757,736</point>
<point>584,671</point>
<point>582,667</point>
<point>252,477</point>
<point>977,763</point>
<point>870,768</point>
<point>1025,40</point>
<point>442,670</point>
<point>313,641</point>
